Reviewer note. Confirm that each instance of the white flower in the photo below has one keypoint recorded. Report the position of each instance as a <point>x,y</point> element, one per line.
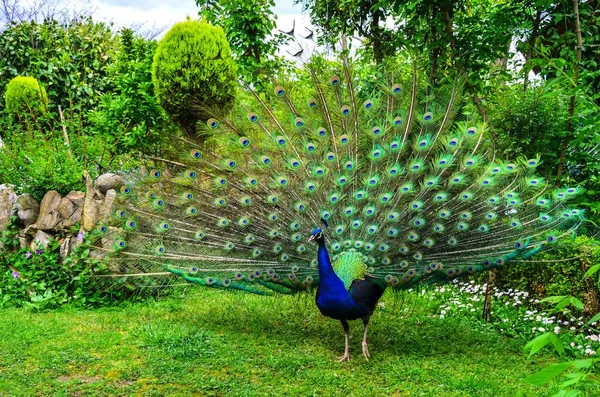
<point>443,312</point>
<point>542,329</point>
<point>441,316</point>
<point>572,344</point>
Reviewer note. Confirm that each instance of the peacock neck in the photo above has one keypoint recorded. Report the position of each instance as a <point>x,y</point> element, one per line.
<point>326,272</point>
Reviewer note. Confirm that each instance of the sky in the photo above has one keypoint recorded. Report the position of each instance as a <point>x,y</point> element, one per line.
<point>164,13</point>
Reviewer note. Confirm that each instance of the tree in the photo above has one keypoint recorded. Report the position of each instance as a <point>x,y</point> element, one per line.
<point>129,118</point>
<point>70,61</point>
<point>249,26</point>
<point>365,18</point>
<point>194,74</point>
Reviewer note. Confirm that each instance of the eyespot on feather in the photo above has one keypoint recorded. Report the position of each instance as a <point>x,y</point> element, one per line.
<point>279,91</point>
<point>212,123</point>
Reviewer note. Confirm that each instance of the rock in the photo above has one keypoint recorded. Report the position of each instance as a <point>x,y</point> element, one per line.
<point>8,197</point>
<point>66,246</point>
<point>50,216</point>
<point>41,238</point>
<point>107,205</point>
<point>28,209</point>
<point>24,240</point>
<point>71,208</point>
<point>91,206</point>
<point>108,181</point>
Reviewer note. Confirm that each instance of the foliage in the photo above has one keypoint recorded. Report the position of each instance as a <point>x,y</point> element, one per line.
<point>551,272</point>
<point>364,18</point>
<point>529,124</point>
<point>42,155</point>
<point>193,68</point>
<point>225,343</point>
<point>249,27</point>
<point>36,161</point>
<point>39,279</point>
<point>583,377</point>
<point>129,117</point>
<point>25,97</point>
<point>70,61</point>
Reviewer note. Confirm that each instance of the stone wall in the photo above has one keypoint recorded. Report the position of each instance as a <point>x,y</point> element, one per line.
<point>57,217</point>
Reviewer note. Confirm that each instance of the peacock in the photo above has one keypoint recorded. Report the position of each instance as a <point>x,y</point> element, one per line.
<point>332,182</point>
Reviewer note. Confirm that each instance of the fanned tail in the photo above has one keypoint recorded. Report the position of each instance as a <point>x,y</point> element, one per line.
<point>420,196</point>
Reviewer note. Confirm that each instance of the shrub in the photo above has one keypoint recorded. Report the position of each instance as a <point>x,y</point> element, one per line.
<point>193,71</point>
<point>69,59</point>
<point>40,279</point>
<point>530,123</point>
<point>129,119</point>
<point>25,97</point>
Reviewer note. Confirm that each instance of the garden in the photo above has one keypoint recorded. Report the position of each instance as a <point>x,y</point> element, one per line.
<point>193,210</point>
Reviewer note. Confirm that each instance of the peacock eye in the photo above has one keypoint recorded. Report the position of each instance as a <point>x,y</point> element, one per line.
<point>279,91</point>
<point>212,123</point>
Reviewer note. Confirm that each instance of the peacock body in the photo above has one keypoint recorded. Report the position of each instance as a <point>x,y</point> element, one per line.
<point>405,194</point>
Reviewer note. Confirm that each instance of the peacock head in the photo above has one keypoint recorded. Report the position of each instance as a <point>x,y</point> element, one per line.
<point>316,235</point>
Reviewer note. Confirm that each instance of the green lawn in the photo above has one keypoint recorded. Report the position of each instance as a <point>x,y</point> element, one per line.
<point>218,343</point>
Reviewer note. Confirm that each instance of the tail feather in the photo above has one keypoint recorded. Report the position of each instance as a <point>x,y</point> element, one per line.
<point>422,197</point>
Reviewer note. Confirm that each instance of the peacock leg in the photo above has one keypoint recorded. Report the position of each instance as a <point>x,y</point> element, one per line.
<point>346,356</point>
<point>365,347</point>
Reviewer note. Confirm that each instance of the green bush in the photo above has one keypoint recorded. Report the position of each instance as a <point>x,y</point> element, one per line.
<point>557,271</point>
<point>193,71</point>
<point>129,119</point>
<point>69,59</point>
<point>25,97</point>
<point>530,123</point>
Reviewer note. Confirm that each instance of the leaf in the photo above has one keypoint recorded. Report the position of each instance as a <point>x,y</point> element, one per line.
<point>558,346</point>
<point>538,343</point>
<point>553,299</point>
<point>579,364</point>
<point>594,319</point>
<point>592,270</point>
<point>547,374</point>
<point>562,304</point>
<point>577,303</point>
<point>575,379</point>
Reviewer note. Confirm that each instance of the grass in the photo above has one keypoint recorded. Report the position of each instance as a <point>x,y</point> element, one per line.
<point>217,343</point>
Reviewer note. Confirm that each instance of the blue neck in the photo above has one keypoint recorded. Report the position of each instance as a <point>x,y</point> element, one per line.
<point>326,273</point>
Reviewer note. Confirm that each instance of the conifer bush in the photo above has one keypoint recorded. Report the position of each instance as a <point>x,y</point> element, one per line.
<point>25,97</point>
<point>193,69</point>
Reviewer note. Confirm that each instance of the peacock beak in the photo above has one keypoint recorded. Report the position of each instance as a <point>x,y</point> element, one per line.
<point>312,237</point>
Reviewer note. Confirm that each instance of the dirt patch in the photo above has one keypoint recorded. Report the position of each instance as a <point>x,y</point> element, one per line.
<point>80,378</point>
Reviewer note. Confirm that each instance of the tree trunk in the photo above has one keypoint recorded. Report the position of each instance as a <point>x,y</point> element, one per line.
<point>487,303</point>
<point>532,39</point>
<point>569,125</point>
<point>591,299</point>
<point>376,37</point>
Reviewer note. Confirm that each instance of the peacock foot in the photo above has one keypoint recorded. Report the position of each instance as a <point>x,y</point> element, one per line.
<point>365,349</point>
<point>345,357</point>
